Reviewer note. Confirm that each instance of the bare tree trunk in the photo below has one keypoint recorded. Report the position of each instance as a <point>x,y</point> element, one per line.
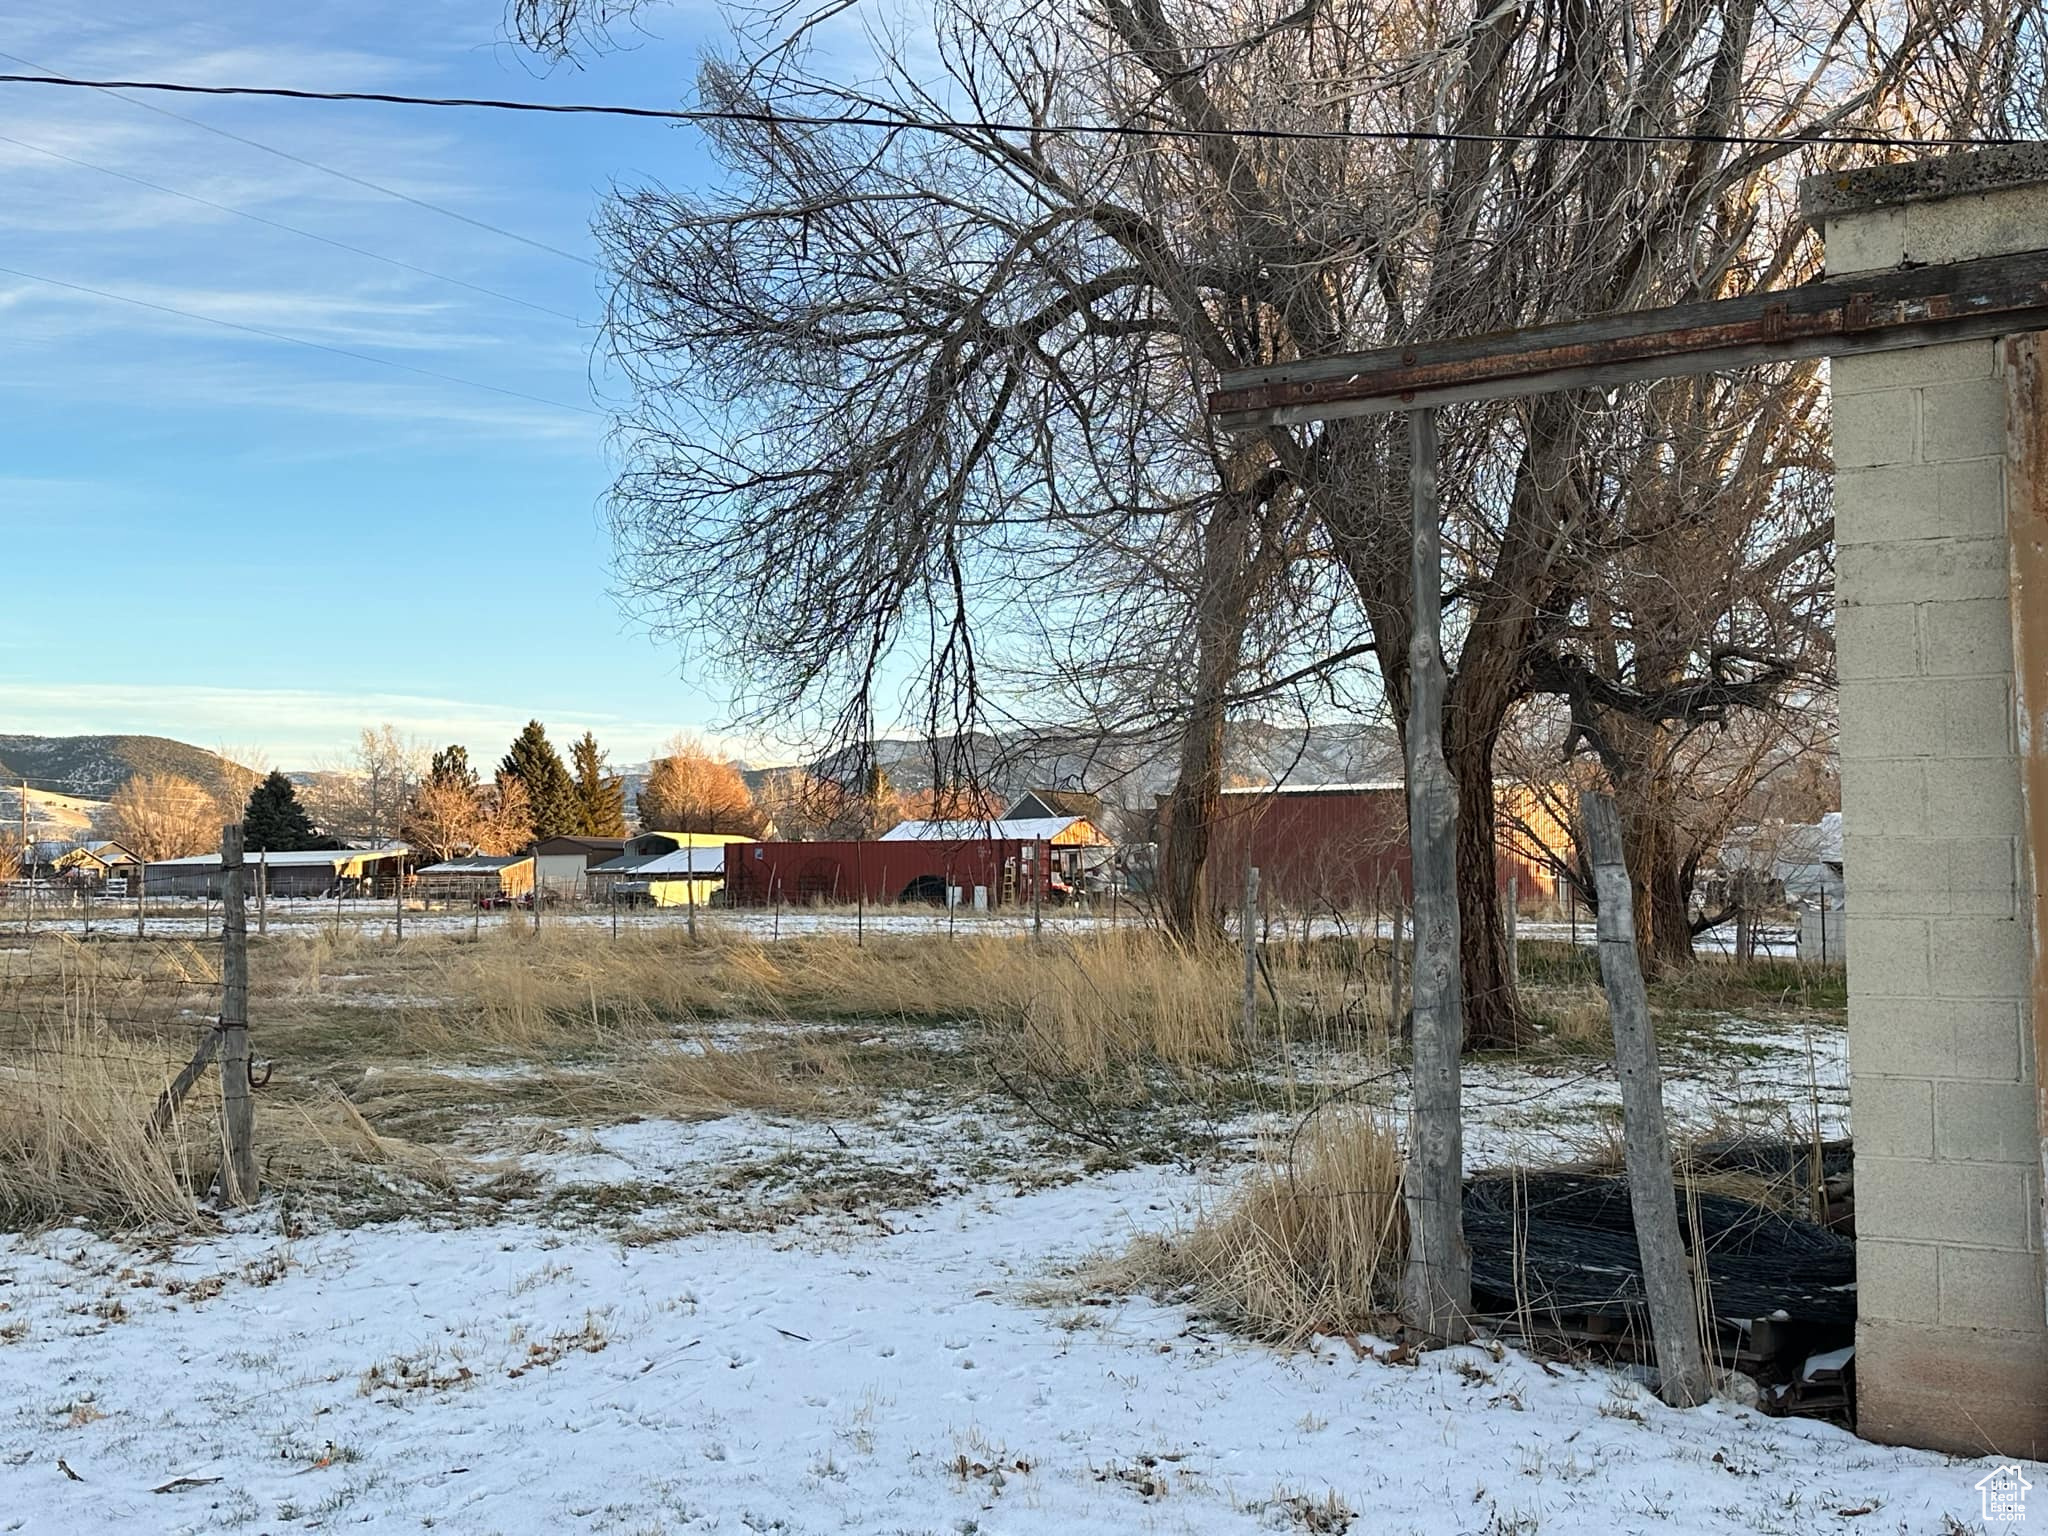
<point>1493,1017</point>
<point>1670,910</point>
<point>1438,1284</point>
<point>1197,800</point>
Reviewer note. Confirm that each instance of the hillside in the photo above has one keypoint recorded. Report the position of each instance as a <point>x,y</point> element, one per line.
<point>93,767</point>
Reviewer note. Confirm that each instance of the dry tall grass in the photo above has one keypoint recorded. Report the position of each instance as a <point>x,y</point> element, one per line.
<point>72,1139</point>
<point>1070,1006</point>
<point>1312,1242</point>
<point>393,1055</point>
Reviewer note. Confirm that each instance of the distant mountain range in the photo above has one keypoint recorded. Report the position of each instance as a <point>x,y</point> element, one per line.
<point>1128,771</point>
<point>93,767</point>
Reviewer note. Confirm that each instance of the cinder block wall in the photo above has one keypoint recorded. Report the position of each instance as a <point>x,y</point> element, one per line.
<point>1952,1348</point>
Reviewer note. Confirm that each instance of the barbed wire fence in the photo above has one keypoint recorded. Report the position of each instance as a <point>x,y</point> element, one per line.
<point>113,1051</point>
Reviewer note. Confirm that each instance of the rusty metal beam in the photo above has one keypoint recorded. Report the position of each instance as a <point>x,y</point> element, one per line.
<point>1869,312</point>
<point>2026,521</point>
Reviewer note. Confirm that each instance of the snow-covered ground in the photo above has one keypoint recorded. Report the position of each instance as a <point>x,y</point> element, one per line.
<point>881,1323</point>
<point>196,919</point>
<point>518,1378</point>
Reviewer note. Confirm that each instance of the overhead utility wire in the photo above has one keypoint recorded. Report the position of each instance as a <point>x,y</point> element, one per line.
<point>952,125</point>
<point>291,229</point>
<point>297,341</point>
<point>311,165</point>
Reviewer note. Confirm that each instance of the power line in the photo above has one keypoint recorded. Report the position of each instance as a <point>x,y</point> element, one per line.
<point>297,341</point>
<point>973,125</point>
<point>311,165</point>
<point>291,229</point>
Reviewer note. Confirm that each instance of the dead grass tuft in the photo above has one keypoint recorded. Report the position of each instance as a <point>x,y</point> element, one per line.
<point>72,1142</point>
<point>1311,1243</point>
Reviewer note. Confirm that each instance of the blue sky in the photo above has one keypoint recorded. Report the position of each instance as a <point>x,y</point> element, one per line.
<point>400,548</point>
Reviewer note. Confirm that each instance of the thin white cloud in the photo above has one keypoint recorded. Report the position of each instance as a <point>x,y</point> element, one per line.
<point>303,727</point>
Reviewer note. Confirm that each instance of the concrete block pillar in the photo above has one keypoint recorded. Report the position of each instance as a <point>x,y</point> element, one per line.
<point>1952,1346</point>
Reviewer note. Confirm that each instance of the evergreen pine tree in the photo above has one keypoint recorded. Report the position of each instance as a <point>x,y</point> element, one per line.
<point>274,821</point>
<point>451,768</point>
<point>550,792</point>
<point>600,796</point>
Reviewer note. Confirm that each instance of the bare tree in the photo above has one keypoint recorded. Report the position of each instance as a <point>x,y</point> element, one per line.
<point>879,374</point>
<point>689,790</point>
<point>505,822</point>
<point>163,816</point>
<point>364,799</point>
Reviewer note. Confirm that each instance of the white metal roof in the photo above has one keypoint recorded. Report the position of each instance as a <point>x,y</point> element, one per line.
<point>281,860</point>
<point>1019,830</point>
<point>477,864</point>
<point>684,861</point>
<point>1316,789</point>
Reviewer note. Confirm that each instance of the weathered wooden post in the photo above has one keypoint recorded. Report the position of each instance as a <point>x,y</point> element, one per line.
<point>1438,1284</point>
<point>141,879</point>
<point>1667,1275</point>
<point>263,892</point>
<point>398,898</point>
<point>1511,917</point>
<point>237,1109</point>
<point>1248,923</point>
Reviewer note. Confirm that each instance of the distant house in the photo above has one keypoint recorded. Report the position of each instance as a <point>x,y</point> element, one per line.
<point>94,864</point>
<point>1797,863</point>
<point>303,872</point>
<point>477,878</point>
<point>562,863</point>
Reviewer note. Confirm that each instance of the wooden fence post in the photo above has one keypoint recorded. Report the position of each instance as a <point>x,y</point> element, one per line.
<point>263,893</point>
<point>1250,934</point>
<point>238,1110</point>
<point>1437,1285</point>
<point>1667,1275</point>
<point>1512,917</point>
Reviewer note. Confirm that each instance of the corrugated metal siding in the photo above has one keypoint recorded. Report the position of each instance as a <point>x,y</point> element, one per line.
<point>1343,848</point>
<point>758,874</point>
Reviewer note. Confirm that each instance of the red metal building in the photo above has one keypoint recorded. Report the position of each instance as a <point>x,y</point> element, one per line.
<point>760,874</point>
<point>1329,845</point>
